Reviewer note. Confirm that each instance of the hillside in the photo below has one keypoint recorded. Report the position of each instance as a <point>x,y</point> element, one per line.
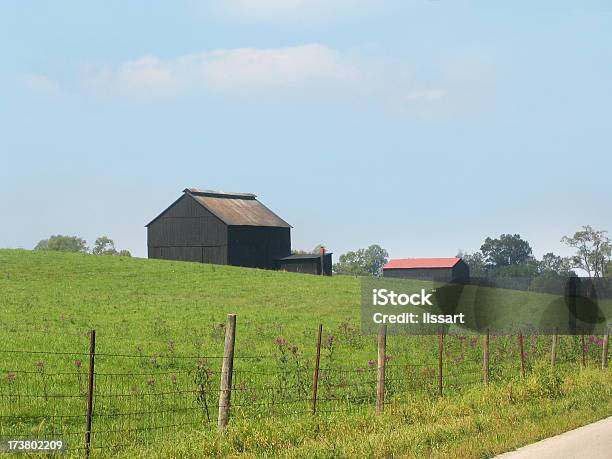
<point>140,299</point>
<point>159,338</point>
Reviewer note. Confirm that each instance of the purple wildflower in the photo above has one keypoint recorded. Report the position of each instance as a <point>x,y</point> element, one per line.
<point>329,342</point>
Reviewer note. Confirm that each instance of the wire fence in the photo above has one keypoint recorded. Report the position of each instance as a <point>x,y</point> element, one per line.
<point>108,400</point>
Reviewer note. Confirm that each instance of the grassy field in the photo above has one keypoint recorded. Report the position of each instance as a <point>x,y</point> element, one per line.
<point>160,329</point>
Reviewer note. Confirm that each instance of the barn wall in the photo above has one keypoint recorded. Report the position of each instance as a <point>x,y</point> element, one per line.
<point>188,232</point>
<point>441,274</point>
<point>257,246</point>
<point>308,266</point>
<point>461,271</point>
<point>305,267</point>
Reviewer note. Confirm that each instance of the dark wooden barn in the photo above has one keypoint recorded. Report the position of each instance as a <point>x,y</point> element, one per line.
<point>440,269</point>
<point>307,263</point>
<point>221,228</point>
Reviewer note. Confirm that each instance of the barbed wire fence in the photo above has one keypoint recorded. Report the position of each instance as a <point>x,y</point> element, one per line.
<point>81,397</point>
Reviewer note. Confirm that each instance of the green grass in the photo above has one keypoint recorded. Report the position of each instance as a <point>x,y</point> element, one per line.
<point>160,335</point>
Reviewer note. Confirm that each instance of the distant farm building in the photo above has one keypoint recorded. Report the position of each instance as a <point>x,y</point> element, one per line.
<point>221,228</point>
<point>441,269</point>
<point>308,263</point>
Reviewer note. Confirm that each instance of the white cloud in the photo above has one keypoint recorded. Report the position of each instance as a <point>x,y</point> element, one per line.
<point>240,71</point>
<point>311,73</point>
<point>146,76</point>
<point>41,84</point>
<point>287,10</point>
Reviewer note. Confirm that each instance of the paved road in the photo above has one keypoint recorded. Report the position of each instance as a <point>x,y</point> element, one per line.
<point>593,441</point>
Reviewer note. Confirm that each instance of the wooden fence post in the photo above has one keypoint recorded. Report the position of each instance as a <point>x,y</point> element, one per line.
<point>90,389</point>
<point>485,358</point>
<point>522,351</point>
<point>380,377</point>
<point>604,350</point>
<point>553,349</point>
<point>225,390</point>
<point>440,352</point>
<point>583,351</point>
<point>315,382</point>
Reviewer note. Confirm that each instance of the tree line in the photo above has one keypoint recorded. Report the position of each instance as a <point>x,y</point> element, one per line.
<point>102,246</point>
<point>507,255</point>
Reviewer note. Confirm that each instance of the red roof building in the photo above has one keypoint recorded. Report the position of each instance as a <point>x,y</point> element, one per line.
<point>442,269</point>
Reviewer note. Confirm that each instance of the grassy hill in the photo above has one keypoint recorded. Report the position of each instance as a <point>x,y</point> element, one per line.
<point>141,299</point>
<point>160,334</point>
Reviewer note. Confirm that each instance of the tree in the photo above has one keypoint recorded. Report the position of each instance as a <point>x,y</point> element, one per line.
<point>363,262</point>
<point>594,250</point>
<point>315,251</point>
<point>104,246</point>
<point>476,262</point>
<point>124,253</point>
<point>506,250</point>
<point>552,263</point>
<point>62,244</point>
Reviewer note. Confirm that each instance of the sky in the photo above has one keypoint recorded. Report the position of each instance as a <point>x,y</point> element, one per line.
<point>420,125</point>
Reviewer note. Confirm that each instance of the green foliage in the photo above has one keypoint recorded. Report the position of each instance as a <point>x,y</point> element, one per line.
<point>61,243</point>
<point>545,382</point>
<point>594,251</point>
<point>528,269</point>
<point>476,262</point>
<point>104,246</point>
<point>315,251</point>
<point>552,263</point>
<point>363,262</point>
<point>506,250</point>
<point>478,423</point>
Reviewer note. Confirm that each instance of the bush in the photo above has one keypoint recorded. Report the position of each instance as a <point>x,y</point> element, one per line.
<point>62,244</point>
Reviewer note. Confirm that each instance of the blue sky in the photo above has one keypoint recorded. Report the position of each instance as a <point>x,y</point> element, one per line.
<point>423,126</point>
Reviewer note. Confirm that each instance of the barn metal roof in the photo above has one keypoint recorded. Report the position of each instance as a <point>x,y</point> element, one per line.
<point>238,209</point>
<point>416,263</point>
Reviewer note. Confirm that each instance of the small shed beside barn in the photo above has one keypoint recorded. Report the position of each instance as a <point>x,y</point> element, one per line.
<point>307,263</point>
<point>439,269</point>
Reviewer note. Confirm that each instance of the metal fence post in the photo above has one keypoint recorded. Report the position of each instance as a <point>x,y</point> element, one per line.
<point>225,390</point>
<point>90,390</point>
<point>315,382</point>
<point>380,377</point>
